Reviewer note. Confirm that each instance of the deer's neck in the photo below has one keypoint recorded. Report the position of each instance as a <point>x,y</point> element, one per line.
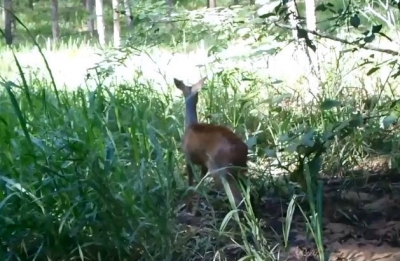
<point>191,111</point>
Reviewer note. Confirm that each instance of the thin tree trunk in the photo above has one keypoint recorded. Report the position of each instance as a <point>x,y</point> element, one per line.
<point>14,24</point>
<point>54,19</point>
<point>291,5</point>
<point>30,4</point>
<point>8,17</point>
<point>101,30</point>
<point>315,84</point>
<point>235,2</point>
<point>128,12</point>
<point>211,3</point>
<point>117,28</point>
<point>89,4</point>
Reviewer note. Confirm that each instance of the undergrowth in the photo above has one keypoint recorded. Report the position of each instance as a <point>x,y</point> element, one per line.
<point>98,175</point>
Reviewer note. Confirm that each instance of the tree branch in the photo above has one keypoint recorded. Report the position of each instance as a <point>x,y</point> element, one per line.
<point>337,39</point>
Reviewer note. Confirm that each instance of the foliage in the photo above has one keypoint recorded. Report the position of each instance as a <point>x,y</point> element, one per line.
<point>98,174</point>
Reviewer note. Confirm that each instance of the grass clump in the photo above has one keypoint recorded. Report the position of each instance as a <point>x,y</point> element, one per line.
<point>76,185</point>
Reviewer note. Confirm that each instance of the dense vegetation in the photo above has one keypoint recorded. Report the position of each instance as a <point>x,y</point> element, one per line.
<point>97,173</point>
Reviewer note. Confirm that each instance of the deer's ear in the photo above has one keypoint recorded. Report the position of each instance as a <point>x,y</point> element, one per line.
<point>197,86</point>
<point>179,84</point>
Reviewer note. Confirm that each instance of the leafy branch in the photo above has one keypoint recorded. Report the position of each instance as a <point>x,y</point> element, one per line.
<point>338,39</point>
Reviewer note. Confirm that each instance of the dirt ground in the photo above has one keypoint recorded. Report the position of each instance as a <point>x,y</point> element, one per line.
<point>361,221</point>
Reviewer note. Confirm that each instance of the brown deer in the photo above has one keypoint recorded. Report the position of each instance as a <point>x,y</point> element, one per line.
<point>216,149</point>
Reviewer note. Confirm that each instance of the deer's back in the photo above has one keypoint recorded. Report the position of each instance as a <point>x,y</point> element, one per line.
<point>204,141</point>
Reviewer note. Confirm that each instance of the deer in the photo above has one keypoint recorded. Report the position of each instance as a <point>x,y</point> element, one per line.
<point>215,148</point>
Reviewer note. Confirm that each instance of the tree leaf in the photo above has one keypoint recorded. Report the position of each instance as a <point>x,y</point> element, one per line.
<point>292,148</point>
<point>395,75</point>
<point>321,7</point>
<point>394,104</point>
<point>283,10</point>
<point>369,39</point>
<point>388,121</point>
<point>267,15</point>
<point>284,138</point>
<point>270,51</point>
<point>371,71</point>
<point>376,28</point>
<point>251,142</point>
<point>328,135</point>
<point>355,21</point>
<point>395,111</point>
<point>270,153</point>
<point>276,82</point>
<point>276,8</point>
<point>308,138</point>
<point>277,100</point>
<point>301,33</point>
<point>329,104</point>
<point>301,149</point>
<point>356,121</point>
<point>366,33</point>
<point>341,126</point>
<point>310,44</point>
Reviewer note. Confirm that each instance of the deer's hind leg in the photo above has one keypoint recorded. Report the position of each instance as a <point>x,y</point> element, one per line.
<point>192,194</point>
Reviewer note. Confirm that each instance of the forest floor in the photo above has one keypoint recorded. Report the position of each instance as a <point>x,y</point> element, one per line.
<point>361,220</point>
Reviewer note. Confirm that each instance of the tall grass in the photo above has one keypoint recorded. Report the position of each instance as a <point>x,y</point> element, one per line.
<point>98,175</point>
<point>90,174</point>
<point>73,185</point>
